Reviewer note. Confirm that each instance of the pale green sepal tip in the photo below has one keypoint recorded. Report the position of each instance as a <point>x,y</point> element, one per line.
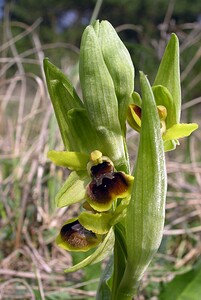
<point>73,190</point>
<point>104,250</point>
<point>71,160</point>
<point>178,131</point>
<point>170,145</point>
<point>136,99</point>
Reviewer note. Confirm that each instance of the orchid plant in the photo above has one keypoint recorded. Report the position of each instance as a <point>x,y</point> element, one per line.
<point>122,211</point>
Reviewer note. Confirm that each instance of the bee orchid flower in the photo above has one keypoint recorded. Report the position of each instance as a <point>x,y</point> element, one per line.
<point>167,94</point>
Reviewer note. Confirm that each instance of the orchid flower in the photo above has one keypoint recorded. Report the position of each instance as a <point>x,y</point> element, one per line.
<point>167,94</point>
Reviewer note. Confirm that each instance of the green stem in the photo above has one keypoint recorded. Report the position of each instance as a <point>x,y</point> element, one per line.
<point>119,261</point>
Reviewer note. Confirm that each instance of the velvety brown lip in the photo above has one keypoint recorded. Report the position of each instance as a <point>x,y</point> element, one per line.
<point>105,187</point>
<point>76,235</point>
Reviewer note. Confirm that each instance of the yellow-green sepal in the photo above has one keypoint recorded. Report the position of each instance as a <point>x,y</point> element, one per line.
<point>71,160</point>
<point>178,131</point>
<point>73,190</point>
<point>170,145</point>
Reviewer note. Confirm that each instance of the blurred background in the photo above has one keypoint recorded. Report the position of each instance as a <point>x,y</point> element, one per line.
<point>31,265</point>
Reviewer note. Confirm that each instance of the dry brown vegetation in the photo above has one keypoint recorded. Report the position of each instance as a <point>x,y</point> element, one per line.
<point>31,265</point>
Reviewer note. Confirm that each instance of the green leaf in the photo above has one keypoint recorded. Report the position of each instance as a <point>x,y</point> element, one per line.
<point>64,98</point>
<point>98,223</point>
<point>120,66</point>
<point>146,210</point>
<point>183,287</point>
<point>99,97</point>
<point>74,189</point>
<point>178,131</point>
<point>71,160</point>
<point>104,250</point>
<point>168,74</point>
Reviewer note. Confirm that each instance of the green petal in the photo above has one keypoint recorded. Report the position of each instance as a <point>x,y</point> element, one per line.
<point>170,145</point>
<point>74,189</point>
<point>163,97</point>
<point>71,160</point>
<point>168,74</point>
<point>104,250</point>
<point>98,223</point>
<point>178,131</point>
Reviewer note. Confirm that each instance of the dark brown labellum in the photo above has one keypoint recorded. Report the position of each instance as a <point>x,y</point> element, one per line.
<point>107,186</point>
<point>77,236</point>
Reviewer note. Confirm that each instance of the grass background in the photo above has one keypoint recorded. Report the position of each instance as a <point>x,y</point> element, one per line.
<point>31,265</point>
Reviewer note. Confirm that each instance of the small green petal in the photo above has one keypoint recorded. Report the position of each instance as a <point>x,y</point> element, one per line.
<point>74,189</point>
<point>98,223</point>
<point>179,130</point>
<point>104,250</point>
<point>163,97</point>
<point>71,160</point>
